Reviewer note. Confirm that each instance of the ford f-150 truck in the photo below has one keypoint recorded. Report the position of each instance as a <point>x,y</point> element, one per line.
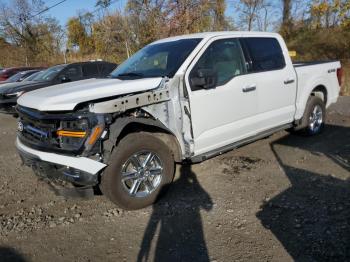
<point>184,98</point>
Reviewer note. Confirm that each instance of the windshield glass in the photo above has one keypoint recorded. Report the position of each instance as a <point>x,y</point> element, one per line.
<point>49,74</point>
<point>15,77</point>
<point>156,60</point>
<point>31,77</point>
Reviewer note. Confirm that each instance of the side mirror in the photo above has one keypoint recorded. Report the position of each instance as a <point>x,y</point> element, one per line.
<point>204,79</point>
<point>64,79</point>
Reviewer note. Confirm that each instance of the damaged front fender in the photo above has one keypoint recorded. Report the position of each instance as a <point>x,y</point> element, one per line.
<point>122,104</point>
<point>163,107</point>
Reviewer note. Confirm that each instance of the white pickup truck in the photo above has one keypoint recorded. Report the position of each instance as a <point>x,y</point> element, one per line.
<point>185,98</point>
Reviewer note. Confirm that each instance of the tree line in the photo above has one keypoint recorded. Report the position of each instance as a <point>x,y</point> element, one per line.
<point>316,29</point>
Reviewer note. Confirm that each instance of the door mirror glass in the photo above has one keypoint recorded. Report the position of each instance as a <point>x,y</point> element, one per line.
<point>204,79</point>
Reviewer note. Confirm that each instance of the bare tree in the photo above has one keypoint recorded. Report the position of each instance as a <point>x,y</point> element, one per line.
<point>249,12</point>
<point>21,26</point>
<point>287,23</point>
<point>267,16</point>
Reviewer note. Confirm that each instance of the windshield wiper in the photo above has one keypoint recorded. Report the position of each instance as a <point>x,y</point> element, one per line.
<point>130,74</point>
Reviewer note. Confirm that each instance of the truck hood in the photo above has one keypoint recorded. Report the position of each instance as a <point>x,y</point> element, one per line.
<point>66,97</point>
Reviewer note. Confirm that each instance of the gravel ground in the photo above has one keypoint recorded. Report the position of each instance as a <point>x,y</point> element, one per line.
<point>283,198</point>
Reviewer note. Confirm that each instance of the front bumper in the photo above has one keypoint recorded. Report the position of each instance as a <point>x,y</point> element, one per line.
<point>8,106</point>
<point>78,170</point>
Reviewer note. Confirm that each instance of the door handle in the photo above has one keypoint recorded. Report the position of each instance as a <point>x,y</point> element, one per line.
<point>249,88</point>
<point>289,81</point>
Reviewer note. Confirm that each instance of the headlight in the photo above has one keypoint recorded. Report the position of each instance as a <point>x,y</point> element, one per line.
<point>74,125</point>
<point>72,134</point>
<point>75,134</point>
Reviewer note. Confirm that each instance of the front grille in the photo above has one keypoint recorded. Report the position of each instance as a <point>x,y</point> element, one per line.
<point>39,130</point>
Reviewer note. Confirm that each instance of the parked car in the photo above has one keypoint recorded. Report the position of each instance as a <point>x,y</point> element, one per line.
<point>32,76</point>
<point>58,74</point>
<point>185,98</point>
<point>8,72</point>
<point>20,76</point>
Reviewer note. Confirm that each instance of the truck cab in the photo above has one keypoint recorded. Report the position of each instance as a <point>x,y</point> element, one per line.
<point>185,98</point>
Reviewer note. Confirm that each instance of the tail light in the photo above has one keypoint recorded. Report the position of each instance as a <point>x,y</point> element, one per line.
<point>3,77</point>
<point>340,76</point>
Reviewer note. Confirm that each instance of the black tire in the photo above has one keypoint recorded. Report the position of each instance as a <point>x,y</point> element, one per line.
<point>111,180</point>
<point>306,123</point>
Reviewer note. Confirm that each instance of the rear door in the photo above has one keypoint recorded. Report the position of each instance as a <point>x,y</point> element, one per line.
<point>224,114</point>
<point>90,70</point>
<point>275,80</point>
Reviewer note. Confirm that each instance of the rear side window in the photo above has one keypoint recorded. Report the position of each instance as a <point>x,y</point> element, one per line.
<point>90,70</point>
<point>265,54</point>
<point>74,73</point>
<point>106,68</point>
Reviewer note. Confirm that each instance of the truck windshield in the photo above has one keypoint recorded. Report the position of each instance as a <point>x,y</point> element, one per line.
<point>156,60</point>
<point>49,74</point>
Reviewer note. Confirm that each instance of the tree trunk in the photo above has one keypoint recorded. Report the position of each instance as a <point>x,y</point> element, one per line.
<point>286,26</point>
<point>286,12</point>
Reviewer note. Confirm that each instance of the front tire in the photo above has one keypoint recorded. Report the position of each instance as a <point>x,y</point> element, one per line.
<point>140,168</point>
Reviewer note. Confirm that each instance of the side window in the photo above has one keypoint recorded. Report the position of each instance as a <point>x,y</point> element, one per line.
<point>223,58</point>
<point>90,70</point>
<point>106,68</point>
<point>74,73</point>
<point>265,54</point>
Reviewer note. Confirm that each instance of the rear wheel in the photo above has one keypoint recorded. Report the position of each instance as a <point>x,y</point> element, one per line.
<point>140,169</point>
<point>314,117</point>
<point>315,120</point>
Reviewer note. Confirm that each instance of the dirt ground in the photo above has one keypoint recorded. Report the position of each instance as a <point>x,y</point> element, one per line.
<point>283,198</point>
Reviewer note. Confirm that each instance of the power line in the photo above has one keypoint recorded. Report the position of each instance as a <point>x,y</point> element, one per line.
<point>47,9</point>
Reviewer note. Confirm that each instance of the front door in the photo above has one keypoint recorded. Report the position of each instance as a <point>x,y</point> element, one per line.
<point>224,113</point>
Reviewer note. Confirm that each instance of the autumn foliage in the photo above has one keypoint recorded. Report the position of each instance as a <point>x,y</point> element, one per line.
<point>316,29</point>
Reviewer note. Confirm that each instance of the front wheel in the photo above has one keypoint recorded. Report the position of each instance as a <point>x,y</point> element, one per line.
<point>141,167</point>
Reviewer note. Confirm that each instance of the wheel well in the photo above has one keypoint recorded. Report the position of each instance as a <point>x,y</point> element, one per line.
<point>168,138</point>
<point>321,92</point>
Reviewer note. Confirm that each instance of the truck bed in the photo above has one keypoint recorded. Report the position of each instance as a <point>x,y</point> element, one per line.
<point>315,74</point>
<point>310,63</point>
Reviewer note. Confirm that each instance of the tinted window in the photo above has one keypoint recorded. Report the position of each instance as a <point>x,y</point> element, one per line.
<point>265,54</point>
<point>73,72</point>
<point>26,75</point>
<point>156,60</point>
<point>225,58</point>
<point>90,70</point>
<point>107,68</point>
<point>30,78</point>
<point>15,77</point>
<point>49,74</point>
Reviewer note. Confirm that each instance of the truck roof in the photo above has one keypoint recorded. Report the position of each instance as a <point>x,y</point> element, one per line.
<point>208,35</point>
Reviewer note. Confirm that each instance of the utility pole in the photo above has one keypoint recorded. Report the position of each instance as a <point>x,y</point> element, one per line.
<point>65,55</point>
<point>127,48</point>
